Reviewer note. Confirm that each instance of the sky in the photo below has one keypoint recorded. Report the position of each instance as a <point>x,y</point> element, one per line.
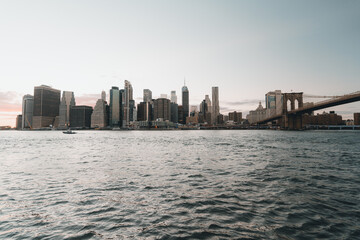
<point>246,48</point>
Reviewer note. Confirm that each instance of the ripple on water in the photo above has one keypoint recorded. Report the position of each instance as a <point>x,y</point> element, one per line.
<point>180,185</point>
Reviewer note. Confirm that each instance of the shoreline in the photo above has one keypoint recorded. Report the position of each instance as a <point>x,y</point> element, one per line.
<point>311,128</point>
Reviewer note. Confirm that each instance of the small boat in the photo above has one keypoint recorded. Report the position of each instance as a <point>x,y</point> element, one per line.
<point>69,131</point>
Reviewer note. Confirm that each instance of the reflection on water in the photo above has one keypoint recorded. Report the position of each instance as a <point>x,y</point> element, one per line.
<point>180,184</point>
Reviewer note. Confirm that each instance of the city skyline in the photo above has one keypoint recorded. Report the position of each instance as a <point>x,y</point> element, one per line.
<point>246,48</point>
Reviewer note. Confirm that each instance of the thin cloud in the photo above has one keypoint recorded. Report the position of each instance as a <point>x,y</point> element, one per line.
<point>10,102</point>
<point>8,114</point>
<point>87,99</point>
<point>245,102</point>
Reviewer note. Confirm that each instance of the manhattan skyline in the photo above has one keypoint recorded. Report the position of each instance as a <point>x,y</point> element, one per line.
<point>246,48</point>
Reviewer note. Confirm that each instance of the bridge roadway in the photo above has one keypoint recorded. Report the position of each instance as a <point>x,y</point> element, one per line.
<point>348,98</point>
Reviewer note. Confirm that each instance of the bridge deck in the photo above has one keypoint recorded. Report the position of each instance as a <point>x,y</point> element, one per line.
<point>348,98</point>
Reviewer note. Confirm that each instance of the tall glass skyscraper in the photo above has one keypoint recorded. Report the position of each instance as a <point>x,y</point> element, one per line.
<point>128,97</point>
<point>67,101</point>
<point>27,111</point>
<point>115,107</point>
<point>215,104</point>
<point>185,103</point>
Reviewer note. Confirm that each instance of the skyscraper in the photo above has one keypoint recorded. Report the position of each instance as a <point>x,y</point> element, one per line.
<point>162,109</point>
<point>215,105</point>
<point>203,107</point>
<point>273,102</point>
<point>128,96</point>
<point>99,117</point>
<point>147,95</point>
<point>185,102</point>
<point>80,116</point>
<point>132,111</point>
<point>46,106</point>
<point>27,111</point>
<point>122,107</point>
<point>103,96</point>
<point>67,101</point>
<point>115,107</point>
<point>208,103</point>
<point>18,122</point>
<point>173,97</point>
<point>174,112</point>
<point>144,111</point>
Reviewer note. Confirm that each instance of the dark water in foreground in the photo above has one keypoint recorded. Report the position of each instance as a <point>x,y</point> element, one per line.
<point>180,184</point>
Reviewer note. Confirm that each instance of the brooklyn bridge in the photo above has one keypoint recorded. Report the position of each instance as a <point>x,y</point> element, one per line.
<point>292,117</point>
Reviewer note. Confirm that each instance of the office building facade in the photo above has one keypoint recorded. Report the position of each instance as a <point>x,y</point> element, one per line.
<point>103,96</point>
<point>46,106</point>
<point>162,109</point>
<point>144,111</point>
<point>80,116</point>
<point>18,122</point>
<point>128,90</point>
<point>147,95</point>
<point>27,111</point>
<point>185,103</point>
<point>274,103</point>
<point>67,101</point>
<point>115,107</point>
<point>215,105</point>
<point>173,97</point>
<point>174,112</point>
<point>99,117</point>
<point>236,117</point>
<point>356,118</point>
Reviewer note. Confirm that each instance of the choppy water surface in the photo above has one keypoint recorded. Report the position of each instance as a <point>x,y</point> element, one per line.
<point>180,184</point>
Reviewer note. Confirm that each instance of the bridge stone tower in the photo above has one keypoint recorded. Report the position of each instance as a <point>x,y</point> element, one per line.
<point>292,121</point>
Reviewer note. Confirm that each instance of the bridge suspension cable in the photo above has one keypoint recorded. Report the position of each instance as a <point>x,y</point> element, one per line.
<point>318,96</point>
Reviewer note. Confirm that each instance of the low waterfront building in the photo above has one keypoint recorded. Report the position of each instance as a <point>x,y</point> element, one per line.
<point>236,117</point>
<point>330,118</point>
<point>356,118</point>
<point>256,115</point>
<point>192,120</point>
<point>155,125</point>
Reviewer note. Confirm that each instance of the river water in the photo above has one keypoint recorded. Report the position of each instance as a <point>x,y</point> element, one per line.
<point>231,184</point>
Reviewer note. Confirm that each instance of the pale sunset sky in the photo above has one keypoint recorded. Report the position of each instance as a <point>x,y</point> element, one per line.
<point>246,48</point>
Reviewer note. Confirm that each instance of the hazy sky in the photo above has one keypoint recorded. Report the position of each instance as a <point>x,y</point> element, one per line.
<point>247,48</point>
